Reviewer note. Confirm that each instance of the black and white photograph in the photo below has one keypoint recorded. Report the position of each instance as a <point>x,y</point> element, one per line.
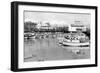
<point>53,36</point>
<point>56,36</point>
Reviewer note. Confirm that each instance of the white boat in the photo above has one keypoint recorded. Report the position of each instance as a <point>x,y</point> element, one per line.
<point>75,39</point>
<point>75,44</point>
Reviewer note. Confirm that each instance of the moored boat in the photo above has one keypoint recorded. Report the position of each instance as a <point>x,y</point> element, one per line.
<point>75,44</point>
<point>74,39</point>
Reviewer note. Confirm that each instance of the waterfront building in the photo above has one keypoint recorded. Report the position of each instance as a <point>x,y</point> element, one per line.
<point>77,27</point>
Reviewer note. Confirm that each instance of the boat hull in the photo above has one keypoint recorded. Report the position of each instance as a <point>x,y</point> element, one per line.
<point>74,44</point>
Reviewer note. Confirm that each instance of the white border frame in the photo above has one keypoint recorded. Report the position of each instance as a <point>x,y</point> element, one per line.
<point>22,64</point>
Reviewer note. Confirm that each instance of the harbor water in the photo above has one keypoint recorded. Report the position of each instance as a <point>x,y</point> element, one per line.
<point>49,49</point>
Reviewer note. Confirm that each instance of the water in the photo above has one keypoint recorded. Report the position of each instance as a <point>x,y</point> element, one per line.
<point>49,49</point>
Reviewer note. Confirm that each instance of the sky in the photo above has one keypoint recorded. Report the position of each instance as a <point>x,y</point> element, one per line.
<point>64,19</point>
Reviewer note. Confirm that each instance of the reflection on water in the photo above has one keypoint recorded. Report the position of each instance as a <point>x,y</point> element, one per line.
<point>49,49</point>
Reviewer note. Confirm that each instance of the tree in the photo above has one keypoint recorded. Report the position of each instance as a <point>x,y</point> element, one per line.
<point>29,26</point>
